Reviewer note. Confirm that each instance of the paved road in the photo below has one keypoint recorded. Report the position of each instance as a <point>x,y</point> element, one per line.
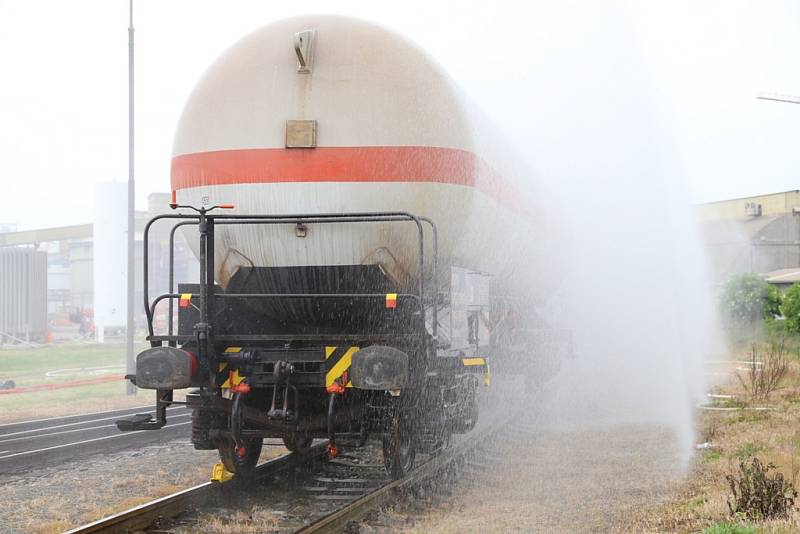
<point>31,444</point>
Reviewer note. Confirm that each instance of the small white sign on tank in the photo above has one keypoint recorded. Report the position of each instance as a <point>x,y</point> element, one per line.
<point>110,254</point>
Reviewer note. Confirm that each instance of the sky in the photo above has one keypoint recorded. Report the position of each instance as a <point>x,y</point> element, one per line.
<point>63,85</point>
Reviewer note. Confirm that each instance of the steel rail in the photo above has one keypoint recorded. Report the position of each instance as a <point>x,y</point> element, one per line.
<point>144,515</point>
<point>337,520</point>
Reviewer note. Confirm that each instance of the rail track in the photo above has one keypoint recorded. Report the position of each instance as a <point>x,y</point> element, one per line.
<point>336,492</point>
<point>37,443</point>
<point>145,515</point>
<point>355,510</point>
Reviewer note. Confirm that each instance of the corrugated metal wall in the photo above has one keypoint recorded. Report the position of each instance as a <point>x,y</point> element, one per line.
<point>23,292</point>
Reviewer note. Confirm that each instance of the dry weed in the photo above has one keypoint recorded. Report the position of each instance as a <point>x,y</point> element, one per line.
<point>766,370</point>
<point>759,495</point>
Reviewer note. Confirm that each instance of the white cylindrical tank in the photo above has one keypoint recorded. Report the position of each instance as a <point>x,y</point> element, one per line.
<point>109,255</point>
<point>383,128</point>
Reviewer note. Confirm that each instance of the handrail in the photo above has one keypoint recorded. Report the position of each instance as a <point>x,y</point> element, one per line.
<point>172,269</point>
<point>146,260</point>
<point>324,218</point>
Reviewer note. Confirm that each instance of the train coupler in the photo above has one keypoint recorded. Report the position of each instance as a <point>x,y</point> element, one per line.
<point>283,374</point>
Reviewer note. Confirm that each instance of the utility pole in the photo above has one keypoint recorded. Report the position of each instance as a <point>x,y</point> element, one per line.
<point>130,365</point>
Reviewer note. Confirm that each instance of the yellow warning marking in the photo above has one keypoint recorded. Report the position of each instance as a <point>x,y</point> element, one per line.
<point>473,361</point>
<point>329,351</point>
<point>341,366</point>
<point>233,349</point>
<point>488,381</point>
<point>222,374</point>
<point>237,379</point>
<point>220,474</point>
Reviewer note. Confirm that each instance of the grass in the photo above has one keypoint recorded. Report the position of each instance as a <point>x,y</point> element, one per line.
<point>256,520</point>
<point>700,502</point>
<point>729,528</point>
<point>68,401</point>
<point>747,450</point>
<point>53,364</point>
<point>50,513</point>
<point>128,491</point>
<point>729,403</point>
<point>747,416</point>
<point>31,366</point>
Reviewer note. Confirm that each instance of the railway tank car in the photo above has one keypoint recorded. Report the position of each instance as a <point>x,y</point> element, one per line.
<point>355,220</point>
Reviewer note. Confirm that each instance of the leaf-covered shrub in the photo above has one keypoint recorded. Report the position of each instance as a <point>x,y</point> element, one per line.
<point>790,309</point>
<point>747,298</point>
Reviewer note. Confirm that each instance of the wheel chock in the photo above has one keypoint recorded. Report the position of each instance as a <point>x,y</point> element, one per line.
<point>220,474</point>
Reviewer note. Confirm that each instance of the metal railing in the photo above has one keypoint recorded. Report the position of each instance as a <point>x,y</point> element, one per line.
<point>206,224</point>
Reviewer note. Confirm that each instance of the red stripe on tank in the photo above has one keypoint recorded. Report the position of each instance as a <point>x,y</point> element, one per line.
<point>343,164</point>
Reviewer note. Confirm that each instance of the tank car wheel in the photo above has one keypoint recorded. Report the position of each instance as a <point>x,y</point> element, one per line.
<point>240,465</point>
<point>202,421</point>
<point>363,438</point>
<point>297,442</point>
<point>399,448</point>
<point>447,440</point>
<point>470,418</point>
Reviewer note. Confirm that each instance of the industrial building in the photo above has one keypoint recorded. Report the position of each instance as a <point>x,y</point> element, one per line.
<point>56,269</point>
<point>48,276</point>
<point>23,293</point>
<point>758,234</point>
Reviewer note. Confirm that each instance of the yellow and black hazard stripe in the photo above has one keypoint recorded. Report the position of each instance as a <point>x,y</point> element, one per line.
<point>474,362</point>
<point>226,378</point>
<point>337,361</point>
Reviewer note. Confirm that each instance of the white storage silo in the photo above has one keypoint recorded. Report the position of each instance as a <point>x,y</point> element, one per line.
<point>110,256</point>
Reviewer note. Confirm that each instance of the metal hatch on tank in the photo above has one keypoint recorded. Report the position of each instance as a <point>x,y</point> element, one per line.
<point>354,286</point>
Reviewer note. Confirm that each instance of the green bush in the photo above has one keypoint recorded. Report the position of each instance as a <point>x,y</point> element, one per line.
<point>790,308</point>
<point>776,328</point>
<point>747,298</point>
